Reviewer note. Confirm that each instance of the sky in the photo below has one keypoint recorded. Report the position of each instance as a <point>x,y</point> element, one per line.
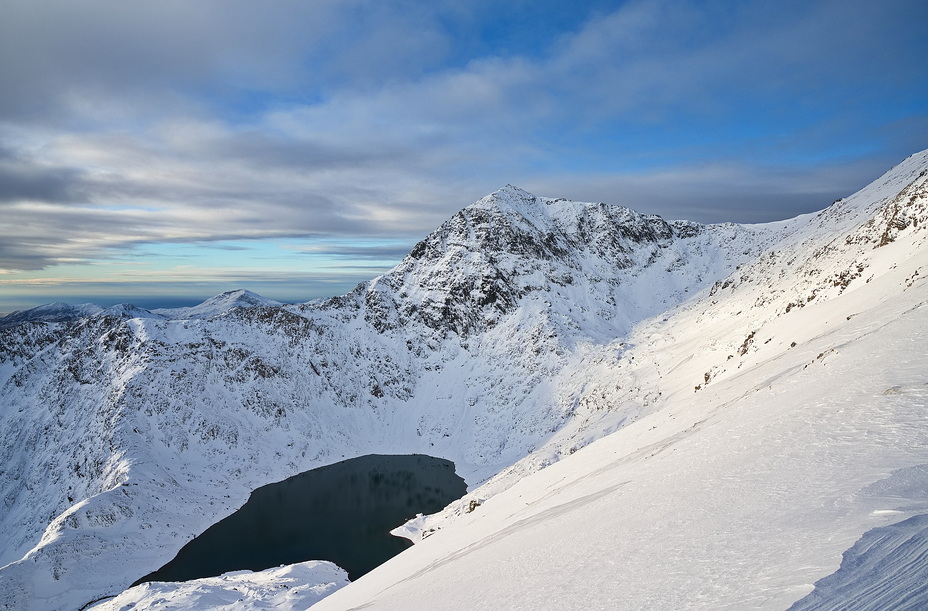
<point>161,152</point>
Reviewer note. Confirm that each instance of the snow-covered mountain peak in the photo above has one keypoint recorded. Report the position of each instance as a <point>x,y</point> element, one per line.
<point>560,216</point>
<point>127,311</point>
<point>51,312</point>
<point>612,264</point>
<point>240,298</point>
<point>510,193</point>
<point>514,202</point>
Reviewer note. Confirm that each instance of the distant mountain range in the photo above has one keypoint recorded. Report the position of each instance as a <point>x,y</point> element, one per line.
<point>63,312</point>
<point>517,333</point>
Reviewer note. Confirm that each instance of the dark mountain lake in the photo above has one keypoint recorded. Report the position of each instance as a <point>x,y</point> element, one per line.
<point>342,513</point>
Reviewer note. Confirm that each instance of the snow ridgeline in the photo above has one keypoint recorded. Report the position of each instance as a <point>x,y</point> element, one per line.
<point>513,336</point>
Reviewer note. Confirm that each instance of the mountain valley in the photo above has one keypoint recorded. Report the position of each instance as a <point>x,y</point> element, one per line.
<point>730,407</point>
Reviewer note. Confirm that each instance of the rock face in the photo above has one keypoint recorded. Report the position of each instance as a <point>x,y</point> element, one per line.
<point>509,247</point>
<point>501,342</point>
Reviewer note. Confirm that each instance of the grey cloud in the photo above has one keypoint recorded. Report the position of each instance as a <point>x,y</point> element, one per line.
<point>266,150</point>
<point>153,57</point>
<point>208,199</point>
<point>20,181</point>
<point>24,177</point>
<point>19,257</point>
<point>56,49</point>
<point>714,193</point>
<point>360,252</point>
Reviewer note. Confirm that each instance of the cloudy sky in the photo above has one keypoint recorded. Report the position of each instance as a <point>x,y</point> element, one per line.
<point>161,152</point>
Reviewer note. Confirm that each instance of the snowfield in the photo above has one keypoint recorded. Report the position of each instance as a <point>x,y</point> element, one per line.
<point>740,496</point>
<point>296,586</point>
<point>650,415</point>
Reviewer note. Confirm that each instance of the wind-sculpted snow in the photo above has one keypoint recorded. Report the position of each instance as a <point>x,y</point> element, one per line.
<point>886,569</point>
<point>518,332</point>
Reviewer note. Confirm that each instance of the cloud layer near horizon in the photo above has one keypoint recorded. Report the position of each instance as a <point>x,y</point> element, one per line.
<point>181,123</point>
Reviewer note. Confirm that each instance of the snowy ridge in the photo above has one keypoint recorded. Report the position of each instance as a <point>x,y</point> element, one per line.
<point>52,312</point>
<point>63,312</point>
<point>509,339</point>
<point>214,306</point>
<point>297,586</point>
<point>126,311</point>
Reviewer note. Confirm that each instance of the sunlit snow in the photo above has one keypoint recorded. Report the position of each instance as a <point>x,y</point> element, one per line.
<point>649,414</point>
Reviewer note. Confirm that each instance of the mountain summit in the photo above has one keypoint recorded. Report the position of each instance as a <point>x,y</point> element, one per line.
<point>610,265</point>
<point>729,407</point>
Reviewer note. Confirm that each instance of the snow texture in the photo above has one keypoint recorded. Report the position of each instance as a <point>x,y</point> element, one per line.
<point>746,387</point>
<point>886,569</point>
<point>293,587</point>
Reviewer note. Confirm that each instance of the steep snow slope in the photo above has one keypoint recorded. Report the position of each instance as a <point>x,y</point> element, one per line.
<point>522,327</point>
<point>792,420</point>
<point>738,498</point>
